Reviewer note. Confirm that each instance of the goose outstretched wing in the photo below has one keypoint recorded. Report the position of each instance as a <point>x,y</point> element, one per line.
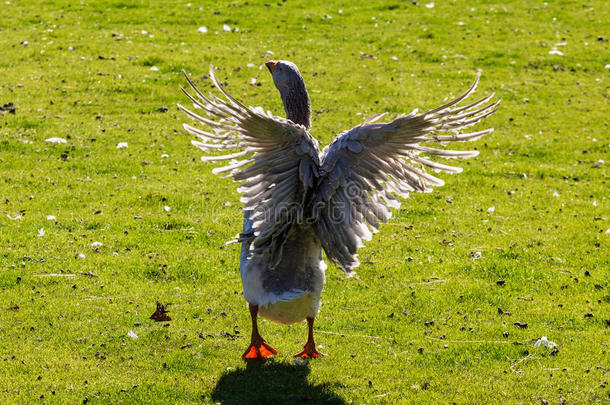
<point>366,168</point>
<point>277,160</point>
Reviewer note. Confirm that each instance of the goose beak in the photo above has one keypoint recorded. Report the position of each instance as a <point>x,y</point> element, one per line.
<point>271,65</point>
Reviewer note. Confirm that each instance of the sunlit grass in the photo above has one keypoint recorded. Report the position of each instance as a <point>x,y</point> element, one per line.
<point>426,321</point>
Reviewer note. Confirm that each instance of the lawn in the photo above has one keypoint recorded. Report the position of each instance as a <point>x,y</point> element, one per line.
<point>520,237</point>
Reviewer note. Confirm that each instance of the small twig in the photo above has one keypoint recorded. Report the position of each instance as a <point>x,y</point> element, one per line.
<point>102,298</point>
<point>468,341</point>
<point>429,282</point>
<point>347,334</point>
<point>529,356</point>
<point>355,309</point>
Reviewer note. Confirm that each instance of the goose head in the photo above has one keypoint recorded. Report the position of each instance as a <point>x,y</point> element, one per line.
<point>290,84</point>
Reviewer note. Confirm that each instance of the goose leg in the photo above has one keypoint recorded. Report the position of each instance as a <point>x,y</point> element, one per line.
<point>309,350</point>
<point>258,348</point>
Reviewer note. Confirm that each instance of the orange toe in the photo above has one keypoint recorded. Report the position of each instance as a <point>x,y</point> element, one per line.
<point>259,352</point>
<point>267,350</point>
<point>308,353</point>
<point>250,353</point>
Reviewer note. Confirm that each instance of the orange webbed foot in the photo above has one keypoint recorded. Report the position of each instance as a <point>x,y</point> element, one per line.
<point>258,351</point>
<point>309,352</point>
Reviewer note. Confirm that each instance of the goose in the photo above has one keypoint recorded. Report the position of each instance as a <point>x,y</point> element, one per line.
<point>300,200</point>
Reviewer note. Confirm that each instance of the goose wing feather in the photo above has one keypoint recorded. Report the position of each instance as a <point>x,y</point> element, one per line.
<point>277,160</point>
<point>365,168</point>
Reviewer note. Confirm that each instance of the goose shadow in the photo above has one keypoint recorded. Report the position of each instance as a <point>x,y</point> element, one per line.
<point>273,383</point>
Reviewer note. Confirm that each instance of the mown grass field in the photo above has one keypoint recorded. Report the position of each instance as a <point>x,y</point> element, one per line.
<point>421,324</point>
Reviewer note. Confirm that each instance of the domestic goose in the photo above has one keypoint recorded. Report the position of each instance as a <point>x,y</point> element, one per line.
<point>299,200</point>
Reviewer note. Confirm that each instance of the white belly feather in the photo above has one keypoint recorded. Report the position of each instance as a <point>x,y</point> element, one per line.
<point>289,312</point>
<point>291,291</point>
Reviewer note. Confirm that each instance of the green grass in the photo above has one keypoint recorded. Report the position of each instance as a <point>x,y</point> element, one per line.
<point>68,342</point>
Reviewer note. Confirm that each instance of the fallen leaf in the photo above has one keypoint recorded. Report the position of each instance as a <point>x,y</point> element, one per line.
<point>160,314</point>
